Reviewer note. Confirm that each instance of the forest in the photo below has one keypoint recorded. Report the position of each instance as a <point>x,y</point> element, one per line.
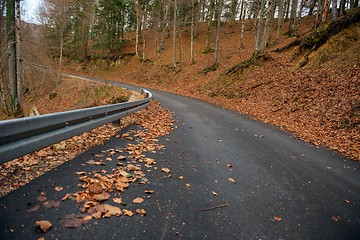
<point>208,49</point>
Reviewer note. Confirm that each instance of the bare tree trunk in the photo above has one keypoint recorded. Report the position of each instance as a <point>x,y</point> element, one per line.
<point>287,12</point>
<point>143,34</point>
<point>19,110</point>
<point>267,28</point>
<point>192,61</point>
<point>342,7</point>
<point>325,11</point>
<point>165,26</point>
<point>280,17</point>
<point>293,18</point>
<point>243,24</point>
<point>259,26</point>
<point>174,34</point>
<point>333,9</point>
<point>216,48</point>
<point>209,18</point>
<point>12,57</point>
<point>233,10</point>
<point>311,7</point>
<point>138,26</point>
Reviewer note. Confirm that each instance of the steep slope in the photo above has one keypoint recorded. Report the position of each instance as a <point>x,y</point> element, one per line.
<point>320,102</point>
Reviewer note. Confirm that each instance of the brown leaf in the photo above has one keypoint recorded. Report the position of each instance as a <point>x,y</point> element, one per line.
<point>66,197</point>
<point>277,218</point>
<point>128,213</point>
<point>138,200</point>
<point>101,197</point>
<point>232,180</point>
<point>117,200</point>
<point>44,225</point>
<point>52,204</point>
<point>214,193</point>
<point>181,177</point>
<point>73,220</point>
<point>95,188</point>
<point>165,170</point>
<point>80,173</point>
<point>336,218</point>
<point>33,209</point>
<point>58,189</point>
<point>149,191</point>
<point>121,158</point>
<point>87,218</point>
<point>111,210</point>
<point>142,212</point>
<point>347,201</point>
<point>41,198</point>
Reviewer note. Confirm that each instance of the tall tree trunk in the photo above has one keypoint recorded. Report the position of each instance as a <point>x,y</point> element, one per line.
<point>311,7</point>
<point>138,26</point>
<point>293,18</point>
<point>12,57</point>
<point>342,7</point>
<point>325,11</point>
<point>233,10</point>
<point>192,61</point>
<point>216,48</point>
<point>267,28</point>
<point>174,34</point>
<point>333,9</point>
<point>165,25</point>
<point>259,26</point>
<point>242,46</point>
<point>280,17</point>
<point>209,18</point>
<point>19,110</point>
<point>143,33</point>
<point>287,12</point>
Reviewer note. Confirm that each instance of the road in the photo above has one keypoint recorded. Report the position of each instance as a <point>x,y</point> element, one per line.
<point>285,188</point>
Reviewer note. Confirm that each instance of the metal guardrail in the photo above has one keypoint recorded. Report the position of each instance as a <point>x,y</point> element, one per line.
<point>25,135</point>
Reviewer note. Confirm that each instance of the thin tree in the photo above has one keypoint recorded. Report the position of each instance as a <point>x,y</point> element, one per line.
<point>333,9</point>
<point>217,39</point>
<point>291,31</point>
<point>267,27</point>
<point>280,17</point>
<point>244,4</point>
<point>192,60</point>
<point>174,34</point>
<point>325,13</point>
<point>259,26</point>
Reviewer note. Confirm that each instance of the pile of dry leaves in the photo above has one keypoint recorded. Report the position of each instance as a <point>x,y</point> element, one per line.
<point>155,120</point>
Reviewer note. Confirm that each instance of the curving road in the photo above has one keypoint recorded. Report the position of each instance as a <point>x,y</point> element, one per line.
<point>285,188</point>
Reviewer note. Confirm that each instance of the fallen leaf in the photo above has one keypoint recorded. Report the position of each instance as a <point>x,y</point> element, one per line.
<point>232,180</point>
<point>117,200</point>
<point>73,220</point>
<point>33,209</point>
<point>229,165</point>
<point>87,218</point>
<point>66,197</point>
<point>101,197</point>
<point>181,177</point>
<point>58,189</point>
<point>187,185</point>
<point>214,193</point>
<point>95,188</point>
<point>44,225</point>
<point>165,170</point>
<point>52,204</point>
<point>111,210</point>
<point>138,200</point>
<point>41,198</point>
<point>142,212</point>
<point>128,213</point>
<point>336,218</point>
<point>108,159</point>
<point>121,158</point>
<point>347,201</point>
<point>277,218</point>
<point>149,191</point>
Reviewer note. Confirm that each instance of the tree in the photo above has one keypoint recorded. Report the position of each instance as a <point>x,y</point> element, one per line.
<point>291,31</point>
<point>259,26</point>
<point>174,34</point>
<point>14,69</point>
<point>217,39</point>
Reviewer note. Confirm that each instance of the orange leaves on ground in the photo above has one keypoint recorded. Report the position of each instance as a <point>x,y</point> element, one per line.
<point>128,213</point>
<point>95,188</point>
<point>138,200</point>
<point>44,225</point>
<point>117,200</point>
<point>232,180</point>
<point>58,189</point>
<point>142,212</point>
<point>277,218</point>
<point>101,196</point>
<point>165,170</point>
<point>111,210</point>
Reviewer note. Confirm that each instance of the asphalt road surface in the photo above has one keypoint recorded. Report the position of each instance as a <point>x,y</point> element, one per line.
<point>285,188</point>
